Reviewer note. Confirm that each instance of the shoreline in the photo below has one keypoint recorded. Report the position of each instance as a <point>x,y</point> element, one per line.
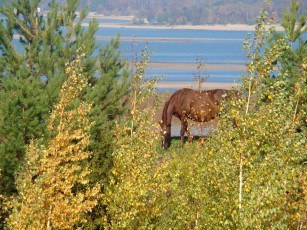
<point>216,27</point>
<point>228,27</point>
<point>165,39</point>
<point>195,86</point>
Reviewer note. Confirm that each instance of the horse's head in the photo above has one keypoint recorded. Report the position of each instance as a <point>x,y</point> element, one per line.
<point>166,133</point>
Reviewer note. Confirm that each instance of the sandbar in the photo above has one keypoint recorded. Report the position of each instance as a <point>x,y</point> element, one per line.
<point>195,86</point>
<point>193,66</point>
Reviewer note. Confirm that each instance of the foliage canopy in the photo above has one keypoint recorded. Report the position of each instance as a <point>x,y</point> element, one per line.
<point>34,50</point>
<point>252,176</point>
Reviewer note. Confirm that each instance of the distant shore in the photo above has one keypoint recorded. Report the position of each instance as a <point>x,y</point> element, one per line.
<point>227,27</point>
<point>194,85</point>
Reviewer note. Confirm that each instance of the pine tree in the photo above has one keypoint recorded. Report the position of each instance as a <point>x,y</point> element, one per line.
<point>33,71</point>
<point>108,94</point>
<point>294,29</point>
<point>293,61</point>
<point>108,97</point>
<point>22,118</point>
<point>294,26</point>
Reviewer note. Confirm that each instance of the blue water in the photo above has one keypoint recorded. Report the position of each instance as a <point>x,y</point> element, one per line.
<point>214,47</point>
<point>188,75</point>
<point>172,33</point>
<point>217,47</point>
<point>213,51</point>
<point>108,21</point>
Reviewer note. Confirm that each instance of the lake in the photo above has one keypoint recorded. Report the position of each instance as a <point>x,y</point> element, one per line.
<point>183,46</point>
<point>218,49</point>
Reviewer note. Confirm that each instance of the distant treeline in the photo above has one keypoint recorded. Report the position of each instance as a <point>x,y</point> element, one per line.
<point>196,12</point>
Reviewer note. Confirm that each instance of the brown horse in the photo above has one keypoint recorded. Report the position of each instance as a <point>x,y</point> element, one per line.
<point>190,104</point>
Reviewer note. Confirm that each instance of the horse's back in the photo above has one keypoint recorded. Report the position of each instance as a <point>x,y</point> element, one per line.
<point>187,97</point>
<point>182,98</point>
<point>198,105</point>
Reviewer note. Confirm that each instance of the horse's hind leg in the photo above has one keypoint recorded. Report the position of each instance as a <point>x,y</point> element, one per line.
<point>190,137</point>
<point>182,131</point>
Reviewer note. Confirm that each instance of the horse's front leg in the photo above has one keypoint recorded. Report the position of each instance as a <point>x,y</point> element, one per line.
<point>184,126</point>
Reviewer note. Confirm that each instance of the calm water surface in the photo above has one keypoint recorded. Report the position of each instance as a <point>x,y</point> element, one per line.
<point>214,47</point>
<point>181,46</point>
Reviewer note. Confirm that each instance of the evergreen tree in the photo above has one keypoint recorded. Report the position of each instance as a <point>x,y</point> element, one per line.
<point>292,64</point>
<point>32,72</point>
<point>108,97</point>
<point>23,112</point>
<point>294,29</point>
<point>294,26</point>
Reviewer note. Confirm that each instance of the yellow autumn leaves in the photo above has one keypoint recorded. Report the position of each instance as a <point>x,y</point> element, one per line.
<point>48,197</point>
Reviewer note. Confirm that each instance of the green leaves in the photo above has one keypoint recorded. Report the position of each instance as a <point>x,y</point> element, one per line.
<point>251,176</point>
<point>33,74</point>
<point>245,177</point>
